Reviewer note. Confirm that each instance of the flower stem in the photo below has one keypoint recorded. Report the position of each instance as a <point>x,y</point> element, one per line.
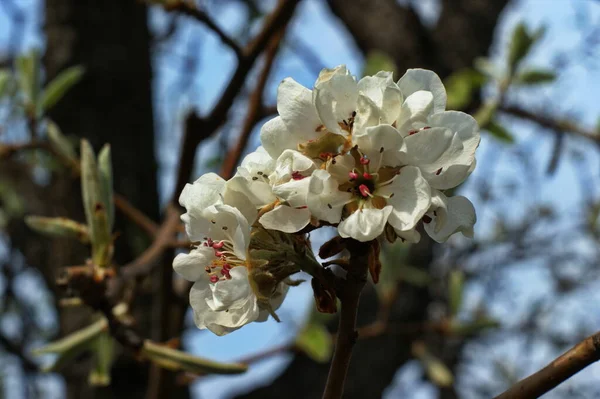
<point>347,334</point>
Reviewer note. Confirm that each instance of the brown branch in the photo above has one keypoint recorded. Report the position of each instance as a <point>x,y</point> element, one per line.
<point>255,107</point>
<point>560,125</point>
<point>189,9</point>
<point>347,335</point>
<point>564,367</point>
<point>144,263</point>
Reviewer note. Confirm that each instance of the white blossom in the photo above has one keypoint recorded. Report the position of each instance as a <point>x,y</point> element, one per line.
<point>222,297</point>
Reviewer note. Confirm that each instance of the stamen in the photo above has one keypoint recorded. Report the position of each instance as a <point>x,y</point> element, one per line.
<point>226,266</point>
<point>427,219</point>
<point>367,175</point>
<point>218,254</point>
<point>214,279</point>
<point>411,132</point>
<point>364,190</point>
<point>218,245</point>
<point>254,178</point>
<point>353,175</point>
<point>381,150</point>
<point>364,160</point>
<point>329,206</point>
<point>297,175</point>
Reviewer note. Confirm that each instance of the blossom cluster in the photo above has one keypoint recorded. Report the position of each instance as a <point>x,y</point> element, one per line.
<point>371,157</point>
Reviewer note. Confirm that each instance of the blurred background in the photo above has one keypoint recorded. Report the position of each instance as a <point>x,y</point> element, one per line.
<point>465,319</point>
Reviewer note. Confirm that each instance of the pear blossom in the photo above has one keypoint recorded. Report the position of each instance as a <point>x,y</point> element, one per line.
<point>366,188</point>
<point>381,151</point>
<point>222,297</point>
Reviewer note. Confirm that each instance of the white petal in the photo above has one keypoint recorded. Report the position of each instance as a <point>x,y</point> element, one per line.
<point>257,192</point>
<point>415,110</point>
<point>422,79</point>
<point>384,93</point>
<point>378,140</point>
<point>233,293</point>
<point>237,198</point>
<point>367,114</point>
<point>429,149</point>
<point>460,216</point>
<point>463,124</point>
<point>286,219</point>
<point>295,106</point>
<point>365,224</point>
<point>276,138</point>
<point>410,200</point>
<point>289,162</point>
<point>222,222</point>
<point>343,165</point>
<point>205,191</point>
<point>191,266</point>
<point>293,192</point>
<point>220,322</point>
<point>334,97</point>
<point>412,235</point>
<point>325,201</point>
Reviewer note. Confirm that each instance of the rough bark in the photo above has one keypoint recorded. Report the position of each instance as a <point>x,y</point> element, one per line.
<point>112,104</point>
<point>464,31</point>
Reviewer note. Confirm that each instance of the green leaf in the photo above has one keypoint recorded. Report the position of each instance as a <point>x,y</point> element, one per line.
<point>28,71</point>
<point>499,132</point>
<point>378,61</point>
<point>474,327</point>
<point>72,345</point>
<point>535,76</point>
<point>173,359</point>
<point>315,341</point>
<point>95,207</point>
<point>57,88</point>
<point>5,80</point>
<point>486,67</point>
<point>106,182</point>
<point>461,86</point>
<point>455,291</point>
<point>61,227</point>
<point>61,144</point>
<point>520,45</point>
<point>436,370</point>
<point>100,374</point>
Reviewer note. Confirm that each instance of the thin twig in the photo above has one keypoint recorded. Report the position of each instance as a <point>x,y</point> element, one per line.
<point>561,369</point>
<point>189,9</point>
<point>561,125</point>
<point>346,337</point>
<point>255,107</point>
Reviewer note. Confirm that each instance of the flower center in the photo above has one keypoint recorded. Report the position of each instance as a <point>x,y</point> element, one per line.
<point>220,268</point>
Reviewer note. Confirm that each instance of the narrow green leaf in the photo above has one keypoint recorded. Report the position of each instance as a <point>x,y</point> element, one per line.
<point>315,341</point>
<point>486,67</point>
<point>520,44</point>
<point>499,132</point>
<point>72,345</point>
<point>28,71</point>
<point>5,80</point>
<point>534,77</point>
<point>100,374</point>
<point>436,370</point>
<point>473,327</point>
<point>106,182</point>
<point>455,291</point>
<point>60,143</point>
<point>95,208</point>
<point>57,88</point>
<point>378,61</point>
<point>61,227</point>
<point>461,86</point>
<point>177,360</point>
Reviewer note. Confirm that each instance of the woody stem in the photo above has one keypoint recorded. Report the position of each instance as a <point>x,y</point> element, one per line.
<point>346,337</point>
